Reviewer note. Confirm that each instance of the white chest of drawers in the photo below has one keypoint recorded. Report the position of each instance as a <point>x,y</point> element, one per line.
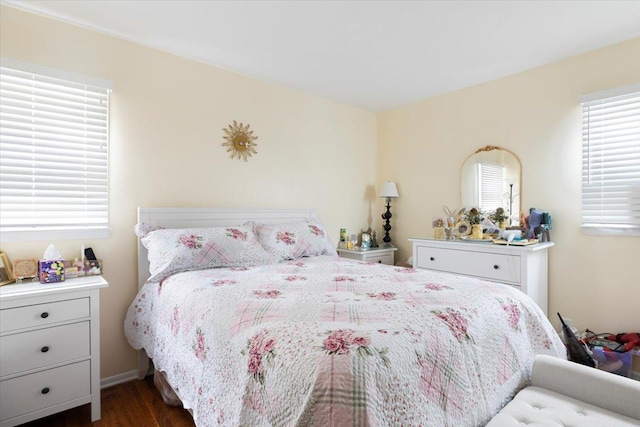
<point>523,267</point>
<point>49,348</point>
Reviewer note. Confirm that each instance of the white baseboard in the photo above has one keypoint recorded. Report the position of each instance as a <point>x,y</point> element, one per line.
<point>119,379</point>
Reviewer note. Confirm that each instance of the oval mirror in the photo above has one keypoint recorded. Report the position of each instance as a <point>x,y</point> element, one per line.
<point>491,178</point>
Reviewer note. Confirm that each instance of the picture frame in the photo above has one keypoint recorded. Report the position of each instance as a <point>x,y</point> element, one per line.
<point>25,269</point>
<point>463,228</point>
<point>6,275</point>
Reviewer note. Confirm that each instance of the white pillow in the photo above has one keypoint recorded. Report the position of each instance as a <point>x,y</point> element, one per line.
<point>175,250</point>
<point>294,240</point>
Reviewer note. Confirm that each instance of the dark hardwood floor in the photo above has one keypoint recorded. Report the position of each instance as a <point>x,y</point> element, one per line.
<point>136,403</point>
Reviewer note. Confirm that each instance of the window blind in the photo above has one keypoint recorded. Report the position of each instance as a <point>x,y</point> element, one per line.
<point>611,161</point>
<point>54,141</point>
<point>491,181</point>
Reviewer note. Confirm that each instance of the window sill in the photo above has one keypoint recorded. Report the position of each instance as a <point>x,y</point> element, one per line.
<point>610,231</point>
<point>54,234</point>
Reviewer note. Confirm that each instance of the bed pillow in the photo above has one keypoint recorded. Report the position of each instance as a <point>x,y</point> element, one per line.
<point>294,240</point>
<point>174,250</point>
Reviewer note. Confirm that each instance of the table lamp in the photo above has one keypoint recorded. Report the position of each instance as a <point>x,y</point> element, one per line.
<point>388,190</point>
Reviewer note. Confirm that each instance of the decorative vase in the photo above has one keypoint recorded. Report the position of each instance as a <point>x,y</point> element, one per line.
<point>476,232</point>
<point>504,224</point>
<point>438,233</point>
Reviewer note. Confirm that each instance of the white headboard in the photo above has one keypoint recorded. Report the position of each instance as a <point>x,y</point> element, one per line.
<point>209,217</point>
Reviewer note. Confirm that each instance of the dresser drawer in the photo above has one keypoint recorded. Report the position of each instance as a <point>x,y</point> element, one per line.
<point>43,314</point>
<point>43,347</point>
<point>496,267</point>
<point>44,389</point>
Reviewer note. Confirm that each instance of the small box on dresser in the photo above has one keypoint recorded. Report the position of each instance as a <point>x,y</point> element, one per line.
<point>49,348</point>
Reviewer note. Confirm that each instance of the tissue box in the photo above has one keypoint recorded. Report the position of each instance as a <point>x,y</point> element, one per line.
<point>51,271</point>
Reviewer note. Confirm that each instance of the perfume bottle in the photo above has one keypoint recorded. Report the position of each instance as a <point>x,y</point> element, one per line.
<point>353,242</point>
<point>342,244</point>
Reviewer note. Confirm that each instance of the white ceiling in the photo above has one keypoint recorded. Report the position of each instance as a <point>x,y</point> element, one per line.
<point>375,55</point>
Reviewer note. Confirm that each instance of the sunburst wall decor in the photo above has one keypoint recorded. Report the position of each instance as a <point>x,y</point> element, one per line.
<point>239,141</point>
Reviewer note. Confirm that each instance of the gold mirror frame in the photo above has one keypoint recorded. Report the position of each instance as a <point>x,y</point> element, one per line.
<point>497,155</point>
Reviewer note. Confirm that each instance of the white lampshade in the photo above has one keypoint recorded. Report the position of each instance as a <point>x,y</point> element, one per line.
<point>389,189</point>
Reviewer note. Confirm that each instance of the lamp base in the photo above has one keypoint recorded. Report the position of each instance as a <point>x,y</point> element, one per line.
<point>387,225</point>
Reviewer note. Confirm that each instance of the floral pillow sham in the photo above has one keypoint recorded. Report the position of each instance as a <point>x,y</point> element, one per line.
<point>294,240</point>
<point>174,250</point>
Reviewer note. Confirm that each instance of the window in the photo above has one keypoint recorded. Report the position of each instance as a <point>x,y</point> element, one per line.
<point>54,144</point>
<point>611,161</point>
<point>490,186</point>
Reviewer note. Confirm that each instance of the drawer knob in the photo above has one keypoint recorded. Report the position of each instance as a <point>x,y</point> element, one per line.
<point>44,315</point>
<point>45,390</point>
<point>44,349</point>
<point>496,267</point>
<point>432,259</point>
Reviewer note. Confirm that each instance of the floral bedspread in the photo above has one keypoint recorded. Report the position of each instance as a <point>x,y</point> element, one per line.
<point>324,341</point>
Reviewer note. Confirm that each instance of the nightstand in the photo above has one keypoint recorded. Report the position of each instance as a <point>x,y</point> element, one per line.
<point>50,348</point>
<point>379,255</point>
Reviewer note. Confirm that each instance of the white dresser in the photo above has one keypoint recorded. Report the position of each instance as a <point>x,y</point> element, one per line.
<point>49,348</point>
<point>523,267</point>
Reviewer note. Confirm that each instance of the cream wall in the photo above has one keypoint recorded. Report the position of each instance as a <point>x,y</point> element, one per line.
<point>167,116</point>
<point>166,119</point>
<point>593,280</point>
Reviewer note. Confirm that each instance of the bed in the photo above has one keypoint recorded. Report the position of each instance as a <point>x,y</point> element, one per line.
<point>320,340</point>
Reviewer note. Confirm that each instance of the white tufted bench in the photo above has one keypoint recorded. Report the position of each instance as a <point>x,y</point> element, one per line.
<point>564,393</point>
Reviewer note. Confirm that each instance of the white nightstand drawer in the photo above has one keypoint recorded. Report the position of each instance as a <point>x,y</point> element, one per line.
<point>43,314</point>
<point>499,267</point>
<point>380,259</point>
<point>44,389</point>
<point>374,255</point>
<point>43,347</point>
